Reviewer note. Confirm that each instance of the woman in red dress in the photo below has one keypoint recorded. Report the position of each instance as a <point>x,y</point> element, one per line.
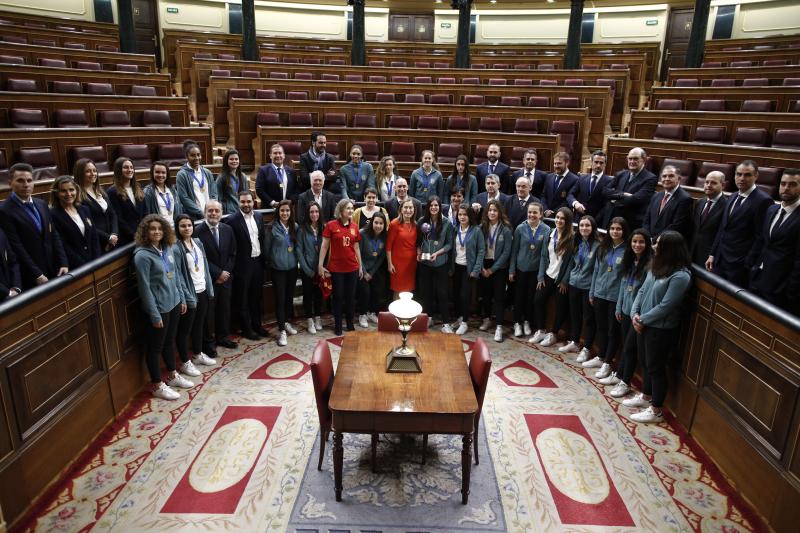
<point>401,249</point>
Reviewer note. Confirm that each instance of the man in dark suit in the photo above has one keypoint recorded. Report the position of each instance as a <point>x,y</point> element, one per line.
<point>248,272</point>
<point>629,193</point>
<point>275,182</point>
<point>318,159</point>
<point>316,193</point>
<point>775,259</point>
<point>586,195</point>
<point>536,177</point>
<point>493,166</point>
<point>558,185</point>
<point>517,206</point>
<point>707,216</point>
<point>401,194</point>
<point>742,219</point>
<point>29,229</point>
<point>670,209</point>
<point>10,280</point>
<point>220,246</point>
<point>492,192</point>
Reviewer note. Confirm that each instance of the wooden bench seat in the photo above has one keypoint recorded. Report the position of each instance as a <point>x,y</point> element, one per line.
<point>242,118</point>
<point>31,53</point>
<point>121,82</point>
<point>782,98</point>
<point>704,76</point>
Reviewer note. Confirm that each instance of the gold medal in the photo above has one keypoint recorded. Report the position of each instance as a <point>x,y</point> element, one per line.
<point>197,269</point>
<point>290,249</point>
<point>630,288</point>
<point>609,269</point>
<point>425,189</point>
<point>374,254</point>
<point>169,275</point>
<point>533,246</point>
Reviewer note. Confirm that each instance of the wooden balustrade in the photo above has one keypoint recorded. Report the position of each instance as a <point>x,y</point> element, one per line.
<point>31,53</point>
<point>37,22</point>
<point>774,75</point>
<point>90,40</point>
<point>121,82</point>
<point>778,41</point>
<point>782,98</point>
<point>757,57</point>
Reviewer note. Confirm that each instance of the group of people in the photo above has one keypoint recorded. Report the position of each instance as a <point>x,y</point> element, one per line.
<point>616,260</point>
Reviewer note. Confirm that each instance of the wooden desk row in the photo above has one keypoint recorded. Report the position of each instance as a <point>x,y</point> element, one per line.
<point>774,75</point>
<point>178,108</point>
<point>90,40</point>
<point>644,122</point>
<point>31,54</point>
<point>121,82</point>
<point>596,99</point>
<point>243,113</point>
<point>791,55</point>
<point>202,69</point>
<point>777,41</point>
<point>782,98</point>
<point>546,145</point>
<point>37,22</point>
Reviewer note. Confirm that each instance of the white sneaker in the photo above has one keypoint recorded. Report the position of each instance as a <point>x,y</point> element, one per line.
<point>312,328</point>
<point>462,328</point>
<point>203,359</point>
<point>583,355</point>
<point>362,321</point>
<point>636,401</point>
<point>604,371</point>
<point>447,329</point>
<point>595,362</point>
<point>189,369</point>
<point>457,323</point>
<point>372,317</point>
<point>165,393</point>
<point>569,347</point>
<point>290,328</point>
<point>180,382</point>
<point>486,324</point>
<point>282,339</point>
<point>549,340</point>
<point>517,329</point>
<point>318,323</point>
<point>620,390</point>
<point>610,379</point>
<point>648,416</point>
<point>538,336</point>
<point>526,328</point>
<point>498,334</point>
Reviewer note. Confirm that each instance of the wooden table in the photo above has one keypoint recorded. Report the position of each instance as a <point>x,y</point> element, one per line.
<point>367,399</point>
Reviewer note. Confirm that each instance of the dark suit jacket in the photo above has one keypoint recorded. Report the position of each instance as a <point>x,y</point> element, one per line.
<point>537,188</point>
<point>308,165</point>
<point>592,202</point>
<point>328,206</point>
<point>37,252</point>
<point>242,237</point>
<point>501,169</point>
<point>517,213</point>
<point>222,257</point>
<point>553,199</point>
<point>9,268</point>
<point>705,231</point>
<point>105,222</point>
<point>268,187</point>
<point>676,215</point>
<point>778,280</point>
<point>79,247</point>
<point>128,215</point>
<point>393,209</point>
<point>631,208</point>
<point>483,199</point>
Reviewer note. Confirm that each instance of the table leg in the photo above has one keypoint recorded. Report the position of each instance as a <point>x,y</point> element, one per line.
<point>466,465</point>
<point>338,460</point>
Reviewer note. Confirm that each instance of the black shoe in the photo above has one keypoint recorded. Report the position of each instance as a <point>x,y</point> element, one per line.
<point>210,351</point>
<point>262,332</point>
<point>337,331</point>
<point>250,334</point>
<point>227,343</point>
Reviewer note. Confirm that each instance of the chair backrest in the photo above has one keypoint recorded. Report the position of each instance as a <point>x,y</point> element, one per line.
<point>42,160</point>
<point>784,138</point>
<point>156,118</point>
<point>139,154</point>
<point>300,119</point>
<point>755,82</point>
<point>125,67</point>
<point>322,377</point>
<point>687,82</point>
<point>711,105</point>
<point>719,82</point>
<point>328,96</point>
<point>113,118</point>
<point>71,118</point>
<point>669,132</point>
<point>297,95</point>
<point>303,76</point>
<point>143,90</point>
<point>756,106</point>
<point>387,322</point>
<point>364,121</point>
<point>669,104</point>
<point>13,60</point>
<point>399,121</point>
<point>480,366</point>
<point>428,122</point>
<point>526,125</point>
<point>415,98</point>
<point>279,75</point>
<point>457,123</point>
<point>21,85</point>
<point>384,97</point>
<point>750,137</point>
<point>99,88</point>
<point>67,87</point>
<point>403,151</point>
<point>88,65</point>
<point>27,118</point>
<point>171,154</point>
<point>439,99</point>
<point>265,94</point>
<point>334,120</point>
<point>352,96</point>
<point>511,100</point>
<point>96,153</point>
<point>473,99</point>
<point>709,134</point>
<point>448,152</point>
<point>49,62</point>
<point>251,74</point>
<point>370,148</point>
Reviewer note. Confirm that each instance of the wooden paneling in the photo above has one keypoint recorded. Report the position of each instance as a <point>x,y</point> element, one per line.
<point>774,75</point>
<point>791,55</point>
<point>778,41</point>
<point>781,97</point>
<point>121,82</point>
<point>41,21</point>
<point>90,40</point>
<point>108,60</point>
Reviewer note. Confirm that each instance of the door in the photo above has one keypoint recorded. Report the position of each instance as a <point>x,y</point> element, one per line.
<point>412,28</point>
<point>145,23</point>
<point>677,42</point>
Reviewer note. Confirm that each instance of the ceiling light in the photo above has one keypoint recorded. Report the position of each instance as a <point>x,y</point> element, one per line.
<point>551,1</point>
<point>492,1</point>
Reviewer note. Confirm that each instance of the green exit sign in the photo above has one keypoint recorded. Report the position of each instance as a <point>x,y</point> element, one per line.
<point>446,25</point>
<point>172,10</point>
<point>652,22</point>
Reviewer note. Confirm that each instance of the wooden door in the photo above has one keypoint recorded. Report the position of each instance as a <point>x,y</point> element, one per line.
<point>413,28</point>
<point>677,41</point>
<point>145,23</point>
<point>423,28</point>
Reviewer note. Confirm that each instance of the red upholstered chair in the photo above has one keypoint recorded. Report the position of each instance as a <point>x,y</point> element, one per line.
<point>42,160</point>
<point>711,105</point>
<point>333,148</point>
<point>473,99</point>
<point>775,62</point>
<point>171,154</point>
<point>365,121</point>
<point>336,61</point>
<point>400,79</point>
<point>608,82</point>
<point>327,76</point>
<point>511,100</point>
<point>300,120</point>
<point>265,94</point>
<point>13,39</point>
<point>446,81</point>
<point>769,180</point>
<point>377,79</point>
<point>457,123</point>
<point>548,83</point>
<point>397,64</point>
<point>67,87</point>
<point>439,99</point>
<point>526,125</point>
<point>322,377</point>
<point>711,64</point>
<point>328,96</point>
<point>567,131</point>
<point>755,82</point>
<point>99,88</point>
<point>291,60</point>
<point>70,118</point>
<point>423,79</point>
<point>278,75</point>
<point>268,119</point>
<point>13,60</point>
<point>27,118</point>
<point>498,81</point>
<point>539,101</point>
<point>50,42</point>
<point>470,81</point>
<point>422,64</point>
<point>669,104</point>
<point>723,83</point>
<point>480,367</point>
<point>501,66</point>
<point>427,122</point>
<point>568,101</point>
<point>448,152</point>
<point>303,76</point>
<point>387,322</point>
<point>269,59</point>
<point>353,77</point>
<point>791,82</point>
<point>399,121</point>
<point>441,64</point>
<point>415,98</point>
<point>545,66</point>
<point>334,120</point>
<point>709,134</point>
<point>525,83</point>
<point>143,90</point>
<point>756,106</point>
<point>114,118</point>
<point>522,66</point>
<point>687,82</point>
<point>251,74</point>
<point>221,73</point>
<point>741,64</point>
<point>370,149</point>
<point>352,96</point>
<point>573,82</point>
<point>98,156</point>
<point>237,93</point>
<point>750,137</point>
<point>708,166</point>
<point>312,61</point>
<point>784,138</point>
<point>139,154</point>
<point>376,63</point>
<point>479,155</point>
<point>292,149</point>
<point>478,65</point>
<point>202,55</point>
<point>48,62</point>
<point>22,85</point>
<point>88,65</point>
<point>384,97</point>
<point>669,132</point>
<point>403,151</point>
<point>125,67</point>
<point>490,124</point>
<point>517,153</point>
<point>297,95</point>
<point>156,118</point>
<point>685,167</point>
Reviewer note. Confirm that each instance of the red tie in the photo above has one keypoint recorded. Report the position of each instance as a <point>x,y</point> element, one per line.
<point>664,201</point>
<point>706,209</point>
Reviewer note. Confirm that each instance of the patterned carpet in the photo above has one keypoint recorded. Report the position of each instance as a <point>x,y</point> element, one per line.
<point>239,453</point>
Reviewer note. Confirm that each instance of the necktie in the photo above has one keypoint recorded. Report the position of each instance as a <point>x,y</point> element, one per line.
<point>779,222</point>
<point>739,199</point>
<point>491,168</point>
<point>592,184</point>
<point>37,220</point>
<point>664,201</point>
<point>706,210</point>
<point>215,233</point>
<point>521,202</point>
<point>281,180</point>
<point>528,175</point>
<point>558,181</point>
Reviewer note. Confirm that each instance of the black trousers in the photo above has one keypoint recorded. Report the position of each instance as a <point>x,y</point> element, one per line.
<point>655,346</point>
<point>344,297</point>
<point>161,343</point>
<point>627,366</point>
<point>540,302</point>
<point>607,329</point>
<point>283,284</point>
<point>372,293</point>
<point>248,283</point>
<point>433,285</point>
<point>218,317</point>
<point>581,317</point>
<point>312,297</point>
<point>524,293</point>
<point>493,293</point>
<point>191,328</point>
<point>463,285</point>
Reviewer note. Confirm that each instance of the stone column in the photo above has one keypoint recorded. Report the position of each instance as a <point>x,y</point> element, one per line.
<point>697,39</point>
<point>358,53</point>
<point>249,46</point>
<point>127,32</point>
<point>572,56</point>
<point>464,21</point>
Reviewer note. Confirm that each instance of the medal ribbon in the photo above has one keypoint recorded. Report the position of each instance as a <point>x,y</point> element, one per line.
<point>166,199</point>
<point>612,256</point>
<point>464,237</point>
<point>200,183</point>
